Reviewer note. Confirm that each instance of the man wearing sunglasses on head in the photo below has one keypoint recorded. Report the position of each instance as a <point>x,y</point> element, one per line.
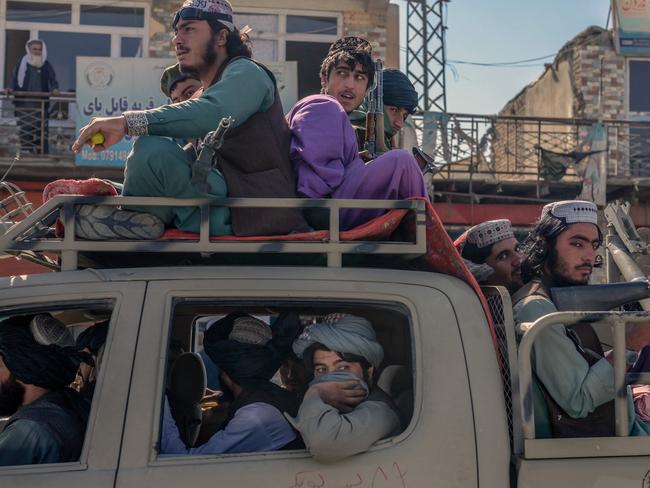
<point>253,160</point>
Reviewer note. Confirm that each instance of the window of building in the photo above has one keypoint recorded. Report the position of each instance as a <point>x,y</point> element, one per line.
<point>55,13</point>
<point>197,327</point>
<point>91,29</point>
<point>285,36</point>
<point>639,79</point>
<point>117,16</point>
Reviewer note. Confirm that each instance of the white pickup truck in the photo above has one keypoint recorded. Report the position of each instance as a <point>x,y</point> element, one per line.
<point>469,423</point>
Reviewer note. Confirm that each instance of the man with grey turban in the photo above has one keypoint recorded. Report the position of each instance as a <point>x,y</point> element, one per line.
<point>343,412</point>
<point>573,391</point>
<point>48,419</point>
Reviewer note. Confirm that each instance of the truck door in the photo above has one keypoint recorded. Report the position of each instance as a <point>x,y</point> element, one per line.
<point>437,448</point>
<point>84,305</point>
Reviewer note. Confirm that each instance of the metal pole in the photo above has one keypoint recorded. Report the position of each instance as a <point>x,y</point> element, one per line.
<point>620,367</point>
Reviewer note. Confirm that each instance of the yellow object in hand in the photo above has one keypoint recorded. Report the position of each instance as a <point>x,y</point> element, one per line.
<point>97,139</point>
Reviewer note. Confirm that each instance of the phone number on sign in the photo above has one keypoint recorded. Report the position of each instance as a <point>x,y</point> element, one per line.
<point>107,155</point>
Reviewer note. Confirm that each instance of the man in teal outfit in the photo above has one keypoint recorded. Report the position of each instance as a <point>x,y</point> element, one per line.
<point>574,387</point>
<point>253,160</point>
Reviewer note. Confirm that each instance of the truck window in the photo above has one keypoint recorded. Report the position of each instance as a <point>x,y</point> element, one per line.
<point>249,364</point>
<point>50,360</point>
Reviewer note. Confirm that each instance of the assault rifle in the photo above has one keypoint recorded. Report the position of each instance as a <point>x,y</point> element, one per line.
<point>375,135</point>
<point>208,157</point>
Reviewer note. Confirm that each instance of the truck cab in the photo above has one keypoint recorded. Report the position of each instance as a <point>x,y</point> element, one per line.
<point>451,363</point>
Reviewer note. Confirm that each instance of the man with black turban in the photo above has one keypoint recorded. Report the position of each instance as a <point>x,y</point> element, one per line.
<point>248,352</point>
<point>48,419</point>
<point>400,101</point>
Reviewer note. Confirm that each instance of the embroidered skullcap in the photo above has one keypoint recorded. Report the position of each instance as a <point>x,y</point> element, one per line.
<point>173,75</point>
<point>573,211</point>
<point>350,44</point>
<point>249,330</point>
<point>350,334</point>
<point>399,91</point>
<point>47,330</point>
<point>490,232</point>
<point>219,10</point>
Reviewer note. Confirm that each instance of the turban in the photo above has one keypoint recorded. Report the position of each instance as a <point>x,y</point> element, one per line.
<point>399,91</point>
<point>351,44</point>
<point>350,334</point>
<point>247,349</point>
<point>171,76</point>
<point>93,337</point>
<point>217,11</point>
<point>50,367</point>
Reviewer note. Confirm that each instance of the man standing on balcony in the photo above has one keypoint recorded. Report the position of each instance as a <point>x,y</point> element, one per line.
<point>573,391</point>
<point>34,73</point>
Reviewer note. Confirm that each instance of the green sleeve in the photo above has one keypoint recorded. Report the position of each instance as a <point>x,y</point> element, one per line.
<point>244,89</point>
<point>27,442</point>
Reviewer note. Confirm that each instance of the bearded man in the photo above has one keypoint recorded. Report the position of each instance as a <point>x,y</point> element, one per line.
<point>48,419</point>
<point>253,159</point>
<point>492,254</point>
<point>574,382</point>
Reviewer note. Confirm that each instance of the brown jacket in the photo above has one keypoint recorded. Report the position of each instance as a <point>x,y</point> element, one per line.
<point>254,160</point>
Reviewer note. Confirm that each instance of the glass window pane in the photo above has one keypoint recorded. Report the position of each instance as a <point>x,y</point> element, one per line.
<point>53,13</point>
<point>260,23</point>
<point>118,16</point>
<point>311,25</point>
<point>639,81</point>
<point>131,47</point>
<point>63,49</point>
<point>265,50</point>
<point>309,56</point>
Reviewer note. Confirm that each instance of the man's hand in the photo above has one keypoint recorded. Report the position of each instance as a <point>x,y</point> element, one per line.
<point>342,395</point>
<point>113,128</point>
<point>56,92</point>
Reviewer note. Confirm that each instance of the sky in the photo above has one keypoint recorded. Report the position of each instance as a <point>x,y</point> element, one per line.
<point>497,31</point>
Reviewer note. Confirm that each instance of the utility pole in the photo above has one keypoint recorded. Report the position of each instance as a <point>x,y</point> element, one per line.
<point>425,52</point>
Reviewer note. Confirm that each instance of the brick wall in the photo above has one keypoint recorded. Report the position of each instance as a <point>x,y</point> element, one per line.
<point>370,25</point>
<point>161,14</point>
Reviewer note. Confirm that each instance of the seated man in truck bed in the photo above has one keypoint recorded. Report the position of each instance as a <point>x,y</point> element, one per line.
<point>248,352</point>
<point>492,254</point>
<point>48,419</point>
<point>253,159</point>
<point>574,391</point>
<point>343,412</point>
<point>324,147</point>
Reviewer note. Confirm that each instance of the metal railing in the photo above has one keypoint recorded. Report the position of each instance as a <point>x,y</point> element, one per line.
<point>617,321</point>
<point>25,236</point>
<point>510,147</point>
<point>37,123</point>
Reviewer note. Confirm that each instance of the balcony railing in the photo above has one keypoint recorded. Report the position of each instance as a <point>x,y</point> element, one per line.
<point>37,124</point>
<point>532,148</point>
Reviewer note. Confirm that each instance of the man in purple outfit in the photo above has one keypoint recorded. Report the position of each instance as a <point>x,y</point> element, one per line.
<point>324,145</point>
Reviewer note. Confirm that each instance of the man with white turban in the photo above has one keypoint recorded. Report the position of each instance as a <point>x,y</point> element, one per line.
<point>34,73</point>
<point>343,412</point>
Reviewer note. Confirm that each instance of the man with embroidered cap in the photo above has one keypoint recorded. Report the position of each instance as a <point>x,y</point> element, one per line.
<point>492,254</point>
<point>253,159</point>
<point>248,352</point>
<point>34,73</point>
<point>574,382</point>
<point>344,412</point>
<point>400,100</point>
<point>324,147</point>
<point>178,86</point>
<point>47,418</point>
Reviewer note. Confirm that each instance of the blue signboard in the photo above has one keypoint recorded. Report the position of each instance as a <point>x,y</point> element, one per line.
<point>109,86</point>
<point>632,27</point>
